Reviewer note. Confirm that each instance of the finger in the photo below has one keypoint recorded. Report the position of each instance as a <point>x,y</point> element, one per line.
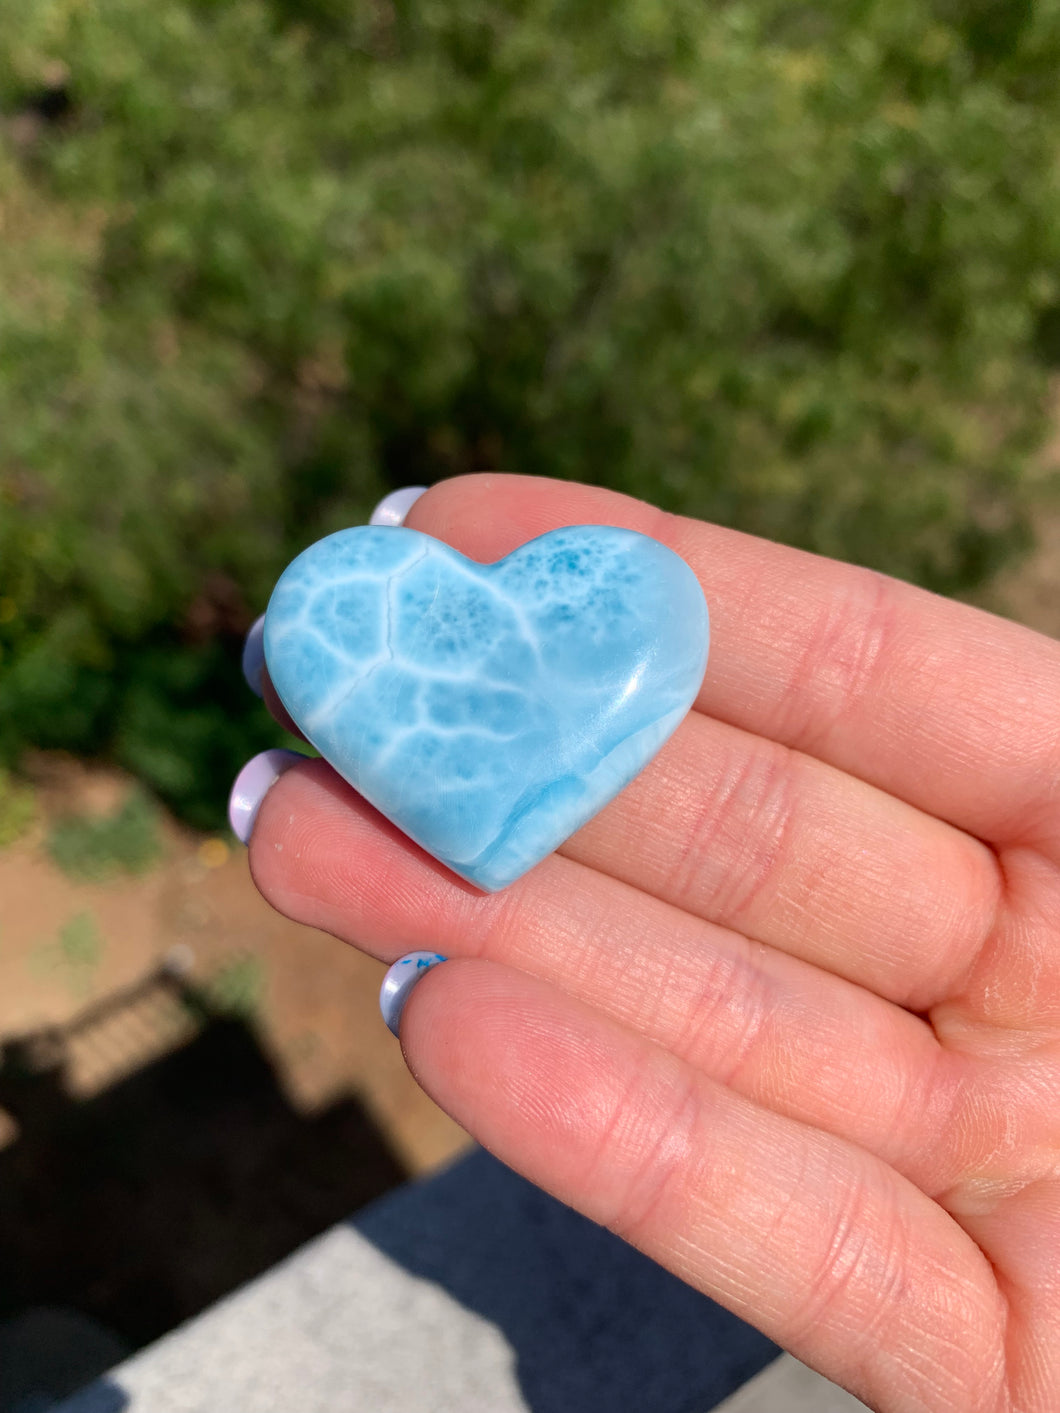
<point>946,707</point>
<point>755,837</point>
<point>783,1033</point>
<point>826,1250</point>
<point>793,852</point>
<point>751,835</point>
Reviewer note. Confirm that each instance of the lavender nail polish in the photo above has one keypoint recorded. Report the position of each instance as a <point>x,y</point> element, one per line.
<point>393,508</point>
<point>399,981</point>
<point>254,656</point>
<point>251,786</point>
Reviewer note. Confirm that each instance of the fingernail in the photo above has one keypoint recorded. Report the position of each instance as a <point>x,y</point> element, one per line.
<point>399,981</point>
<point>254,656</point>
<point>393,508</point>
<point>252,785</point>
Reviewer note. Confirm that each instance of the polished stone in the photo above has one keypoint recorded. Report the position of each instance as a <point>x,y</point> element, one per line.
<point>488,710</point>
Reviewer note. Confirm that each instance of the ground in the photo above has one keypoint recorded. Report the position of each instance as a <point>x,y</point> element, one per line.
<point>65,944</point>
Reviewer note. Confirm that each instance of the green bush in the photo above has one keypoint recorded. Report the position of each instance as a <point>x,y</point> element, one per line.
<point>789,267</point>
<point>236,989</point>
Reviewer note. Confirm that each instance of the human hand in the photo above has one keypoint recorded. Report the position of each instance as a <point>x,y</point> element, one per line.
<point>785,1014</point>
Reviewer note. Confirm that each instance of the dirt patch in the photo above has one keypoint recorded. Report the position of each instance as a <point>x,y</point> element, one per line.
<point>65,944</point>
<point>191,1087</point>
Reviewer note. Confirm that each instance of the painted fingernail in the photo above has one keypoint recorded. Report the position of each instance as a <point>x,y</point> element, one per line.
<point>399,981</point>
<point>252,785</point>
<point>393,508</point>
<point>254,656</point>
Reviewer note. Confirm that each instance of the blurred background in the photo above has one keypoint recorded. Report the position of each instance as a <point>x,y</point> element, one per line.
<point>790,267</point>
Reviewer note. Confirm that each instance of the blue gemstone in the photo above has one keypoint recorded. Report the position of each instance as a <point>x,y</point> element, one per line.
<point>488,710</point>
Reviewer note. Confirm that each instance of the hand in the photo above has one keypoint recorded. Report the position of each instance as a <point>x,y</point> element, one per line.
<point>786,1014</point>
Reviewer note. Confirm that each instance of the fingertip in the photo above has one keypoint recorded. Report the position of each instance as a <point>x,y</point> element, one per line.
<point>399,981</point>
<point>394,508</point>
<point>251,786</point>
<point>482,1038</point>
<point>482,514</point>
<point>486,515</point>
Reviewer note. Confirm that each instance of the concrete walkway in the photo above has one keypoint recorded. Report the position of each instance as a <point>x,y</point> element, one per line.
<point>471,1292</point>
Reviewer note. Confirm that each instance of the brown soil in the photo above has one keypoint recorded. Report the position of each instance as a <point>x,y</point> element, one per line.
<point>317,1019</point>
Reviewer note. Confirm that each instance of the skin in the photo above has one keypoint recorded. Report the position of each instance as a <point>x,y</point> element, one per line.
<point>786,1014</point>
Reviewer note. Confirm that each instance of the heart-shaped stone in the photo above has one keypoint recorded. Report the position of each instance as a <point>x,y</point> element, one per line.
<point>488,710</point>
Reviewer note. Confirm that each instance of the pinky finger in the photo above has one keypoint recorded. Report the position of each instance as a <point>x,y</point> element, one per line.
<point>821,1246</point>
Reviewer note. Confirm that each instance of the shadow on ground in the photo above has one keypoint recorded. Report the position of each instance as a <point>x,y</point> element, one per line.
<point>125,1213</point>
<point>593,1325</point>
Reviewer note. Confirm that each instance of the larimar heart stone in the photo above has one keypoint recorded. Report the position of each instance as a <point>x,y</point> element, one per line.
<point>488,710</point>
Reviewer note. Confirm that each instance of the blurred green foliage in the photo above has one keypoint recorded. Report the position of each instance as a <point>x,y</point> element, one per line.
<point>18,809</point>
<point>96,847</point>
<point>76,953</point>
<point>236,989</point>
<point>791,267</point>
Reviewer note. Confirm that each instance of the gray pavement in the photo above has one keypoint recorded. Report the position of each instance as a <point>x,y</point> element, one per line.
<point>474,1292</point>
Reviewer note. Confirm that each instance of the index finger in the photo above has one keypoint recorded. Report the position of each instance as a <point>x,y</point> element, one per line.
<point>952,709</point>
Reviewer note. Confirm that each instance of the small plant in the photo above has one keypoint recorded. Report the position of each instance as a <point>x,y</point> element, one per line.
<point>236,988</point>
<point>97,848</point>
<point>77,952</point>
<point>18,810</point>
<point>80,943</point>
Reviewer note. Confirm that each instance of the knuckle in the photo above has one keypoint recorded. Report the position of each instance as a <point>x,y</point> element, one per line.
<point>737,839</point>
<point>859,1273</point>
<point>649,1146</point>
<point>849,649</point>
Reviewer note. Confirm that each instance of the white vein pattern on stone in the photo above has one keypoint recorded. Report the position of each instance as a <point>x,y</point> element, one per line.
<point>488,710</point>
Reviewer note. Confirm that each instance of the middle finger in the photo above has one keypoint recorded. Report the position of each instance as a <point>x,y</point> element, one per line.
<point>790,851</point>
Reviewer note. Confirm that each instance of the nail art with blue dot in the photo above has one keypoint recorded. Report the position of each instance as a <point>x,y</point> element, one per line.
<point>399,981</point>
